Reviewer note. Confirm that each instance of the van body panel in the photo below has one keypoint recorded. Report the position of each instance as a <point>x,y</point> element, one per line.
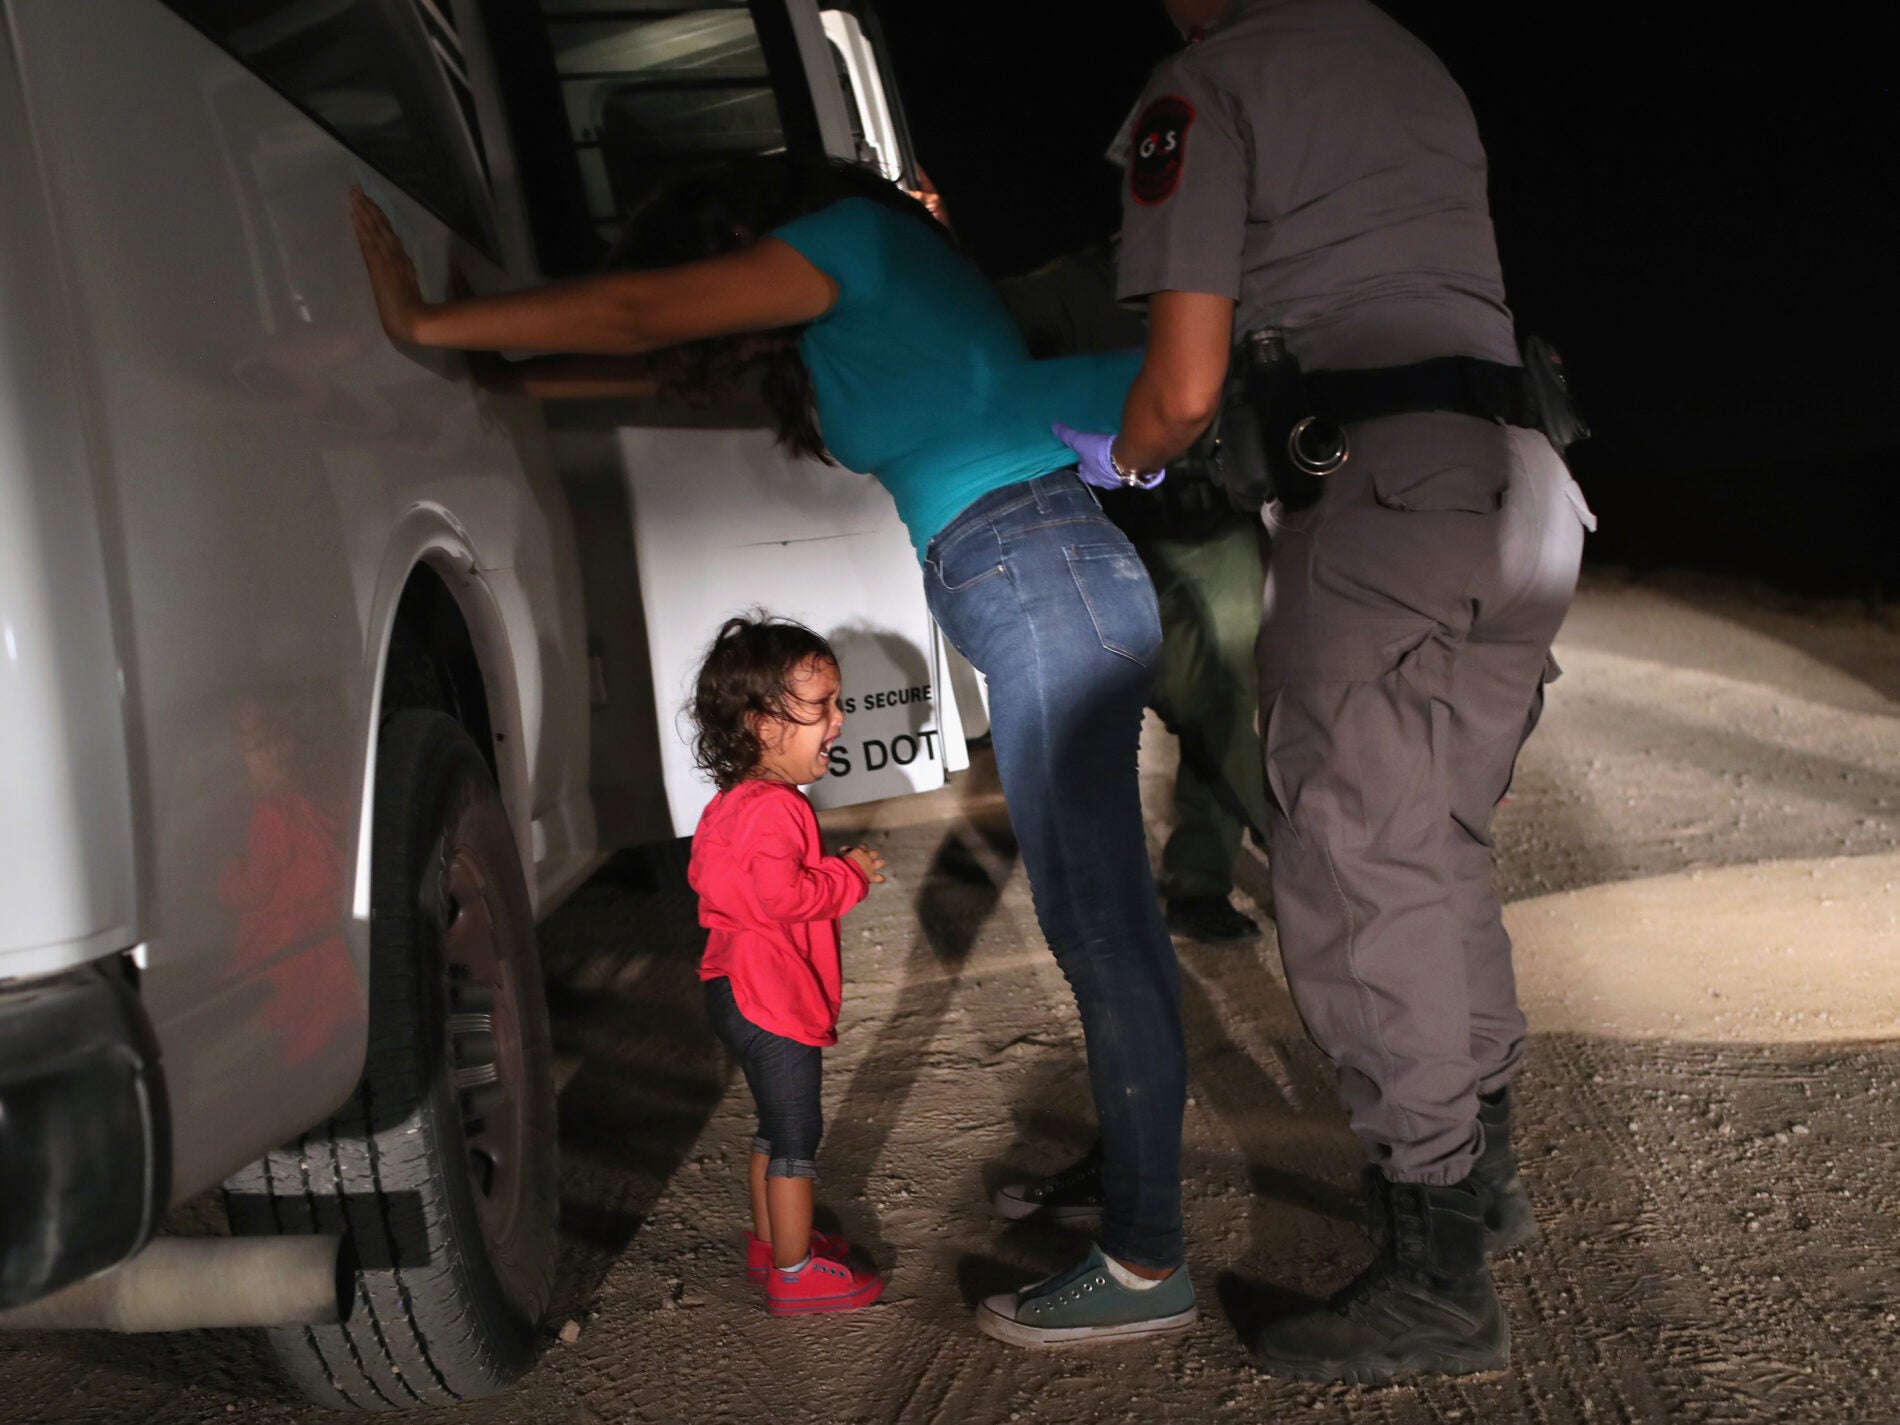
<point>68,874</point>
<point>264,448</point>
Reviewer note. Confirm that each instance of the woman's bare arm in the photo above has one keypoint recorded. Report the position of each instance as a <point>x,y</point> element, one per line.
<point>1178,389</point>
<point>763,287</point>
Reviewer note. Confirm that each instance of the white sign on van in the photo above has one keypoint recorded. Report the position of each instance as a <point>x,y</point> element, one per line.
<point>754,529</point>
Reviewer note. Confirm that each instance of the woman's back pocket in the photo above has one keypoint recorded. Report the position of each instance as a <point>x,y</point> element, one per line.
<point>1120,599</point>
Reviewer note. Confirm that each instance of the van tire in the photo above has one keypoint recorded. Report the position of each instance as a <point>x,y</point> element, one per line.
<point>440,1169</point>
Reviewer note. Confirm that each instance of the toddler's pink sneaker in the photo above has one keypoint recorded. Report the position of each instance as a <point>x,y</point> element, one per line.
<point>821,1285</point>
<point>758,1255</point>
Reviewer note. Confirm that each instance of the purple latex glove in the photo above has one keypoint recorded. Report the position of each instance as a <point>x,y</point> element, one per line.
<point>1092,458</point>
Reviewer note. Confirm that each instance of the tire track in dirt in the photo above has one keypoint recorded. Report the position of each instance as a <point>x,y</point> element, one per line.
<point>1704,1272</point>
<point>1573,1251</point>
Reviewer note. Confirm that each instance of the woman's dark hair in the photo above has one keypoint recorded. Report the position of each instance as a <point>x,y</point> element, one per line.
<point>748,670</point>
<point>730,207</point>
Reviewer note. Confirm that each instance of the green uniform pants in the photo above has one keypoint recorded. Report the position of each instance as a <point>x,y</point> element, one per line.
<point>1206,690</point>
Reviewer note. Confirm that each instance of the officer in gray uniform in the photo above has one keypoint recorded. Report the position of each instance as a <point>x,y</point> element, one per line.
<point>1307,166</point>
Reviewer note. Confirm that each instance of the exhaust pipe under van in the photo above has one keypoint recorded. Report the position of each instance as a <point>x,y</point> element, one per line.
<point>184,1283</point>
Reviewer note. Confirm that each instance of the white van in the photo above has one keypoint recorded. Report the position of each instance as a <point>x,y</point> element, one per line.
<point>298,683</point>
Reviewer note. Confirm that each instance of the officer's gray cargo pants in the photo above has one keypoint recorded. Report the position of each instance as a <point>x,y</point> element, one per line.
<point>1404,645</point>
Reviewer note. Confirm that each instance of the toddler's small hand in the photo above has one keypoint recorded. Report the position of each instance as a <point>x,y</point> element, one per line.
<point>867,861</point>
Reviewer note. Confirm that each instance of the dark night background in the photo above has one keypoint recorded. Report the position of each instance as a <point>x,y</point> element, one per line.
<point>1700,210</point>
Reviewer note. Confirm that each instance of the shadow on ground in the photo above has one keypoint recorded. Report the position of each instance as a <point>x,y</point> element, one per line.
<point>622,965</point>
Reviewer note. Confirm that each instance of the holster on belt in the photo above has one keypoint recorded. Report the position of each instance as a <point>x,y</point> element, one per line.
<point>1187,507</point>
<point>1548,387</point>
<point>1277,396</point>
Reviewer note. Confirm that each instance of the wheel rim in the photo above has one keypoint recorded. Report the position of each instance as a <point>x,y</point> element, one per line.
<point>484,1041</point>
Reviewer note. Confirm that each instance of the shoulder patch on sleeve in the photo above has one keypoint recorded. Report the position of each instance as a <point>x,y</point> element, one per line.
<point>1159,149</point>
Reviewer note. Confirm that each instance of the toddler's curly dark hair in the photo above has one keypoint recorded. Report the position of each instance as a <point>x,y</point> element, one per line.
<point>746,670</point>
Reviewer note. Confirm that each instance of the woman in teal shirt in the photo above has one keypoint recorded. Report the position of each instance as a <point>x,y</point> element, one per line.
<point>910,366</point>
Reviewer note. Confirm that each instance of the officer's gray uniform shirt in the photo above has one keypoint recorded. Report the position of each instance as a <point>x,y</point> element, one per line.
<point>1315,163</point>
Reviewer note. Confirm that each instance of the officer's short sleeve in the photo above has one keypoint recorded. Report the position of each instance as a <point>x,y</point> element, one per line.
<point>844,241</point>
<point>1184,188</point>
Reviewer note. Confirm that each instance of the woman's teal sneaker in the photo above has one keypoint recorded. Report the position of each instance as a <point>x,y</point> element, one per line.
<point>1086,1303</point>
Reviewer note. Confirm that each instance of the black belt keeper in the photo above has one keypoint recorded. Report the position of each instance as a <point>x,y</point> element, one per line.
<point>1462,384</point>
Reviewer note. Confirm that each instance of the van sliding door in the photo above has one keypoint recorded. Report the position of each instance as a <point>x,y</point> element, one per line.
<point>714,517</point>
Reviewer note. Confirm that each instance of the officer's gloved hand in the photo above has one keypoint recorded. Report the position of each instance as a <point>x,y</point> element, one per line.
<point>1094,463</point>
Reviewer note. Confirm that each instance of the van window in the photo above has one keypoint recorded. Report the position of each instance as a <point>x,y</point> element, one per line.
<point>652,90</point>
<point>386,77</point>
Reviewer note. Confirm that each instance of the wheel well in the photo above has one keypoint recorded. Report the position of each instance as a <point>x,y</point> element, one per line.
<point>432,662</point>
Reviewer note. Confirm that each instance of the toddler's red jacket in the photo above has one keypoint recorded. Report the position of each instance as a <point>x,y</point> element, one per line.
<point>772,898</point>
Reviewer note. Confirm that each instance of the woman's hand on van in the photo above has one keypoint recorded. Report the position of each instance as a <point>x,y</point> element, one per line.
<point>926,193</point>
<point>392,273</point>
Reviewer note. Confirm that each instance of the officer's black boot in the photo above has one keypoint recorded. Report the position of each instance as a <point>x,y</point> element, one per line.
<point>1425,1304</point>
<point>1508,1219</point>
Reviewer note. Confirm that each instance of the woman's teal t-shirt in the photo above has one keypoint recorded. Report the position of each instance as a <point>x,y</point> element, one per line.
<point>921,378</point>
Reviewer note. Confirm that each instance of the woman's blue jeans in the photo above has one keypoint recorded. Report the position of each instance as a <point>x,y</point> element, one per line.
<point>1049,600</point>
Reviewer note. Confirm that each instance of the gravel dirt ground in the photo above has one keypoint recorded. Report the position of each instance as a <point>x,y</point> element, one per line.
<point>1700,861</point>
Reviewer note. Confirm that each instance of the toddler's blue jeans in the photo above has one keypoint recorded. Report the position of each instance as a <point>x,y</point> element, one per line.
<point>784,1076</point>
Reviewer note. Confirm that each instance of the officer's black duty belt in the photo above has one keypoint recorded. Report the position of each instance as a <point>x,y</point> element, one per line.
<point>1463,384</point>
